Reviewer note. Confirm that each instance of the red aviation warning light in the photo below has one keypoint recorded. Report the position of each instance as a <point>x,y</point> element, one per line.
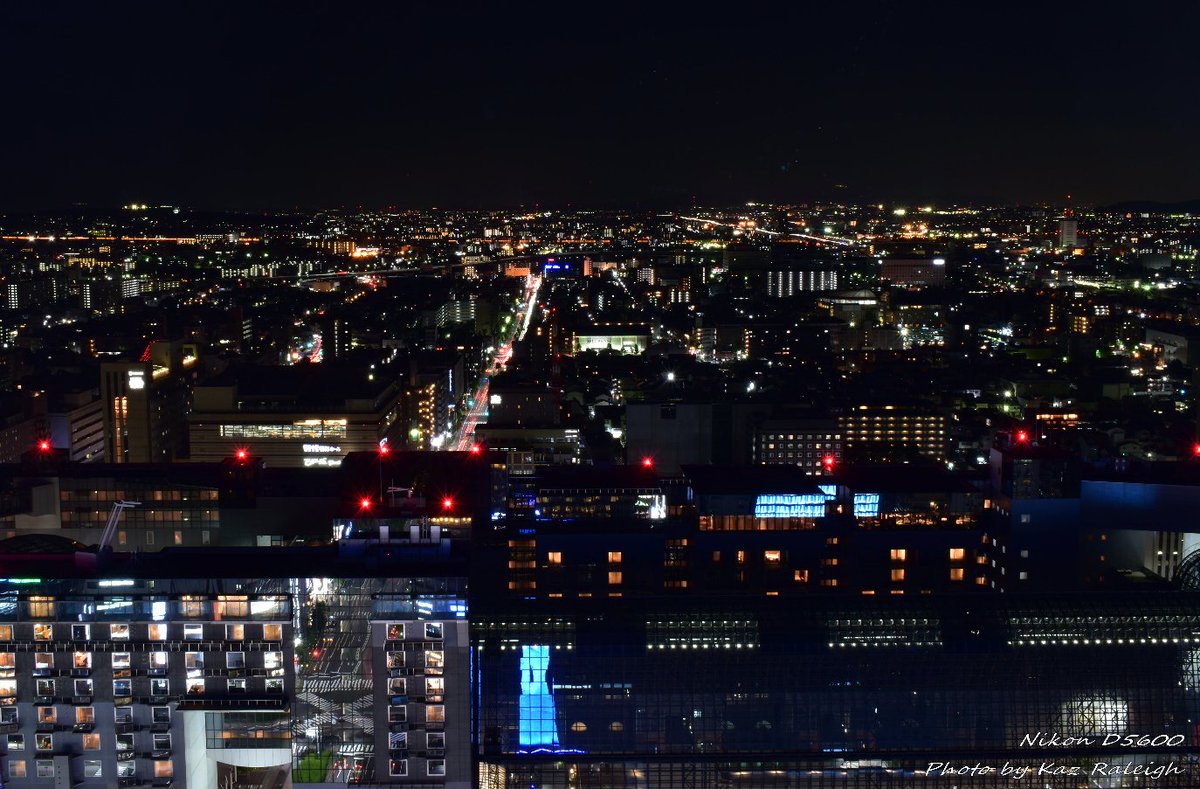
<point>1022,437</point>
<point>828,462</point>
<point>476,449</point>
<point>647,462</point>
<point>44,445</point>
<point>364,503</point>
<point>447,503</point>
<point>241,453</point>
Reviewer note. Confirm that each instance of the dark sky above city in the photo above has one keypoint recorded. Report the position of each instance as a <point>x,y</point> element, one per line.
<point>273,106</point>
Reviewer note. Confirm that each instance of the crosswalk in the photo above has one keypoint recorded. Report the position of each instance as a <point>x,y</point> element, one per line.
<point>342,682</point>
<point>329,721</point>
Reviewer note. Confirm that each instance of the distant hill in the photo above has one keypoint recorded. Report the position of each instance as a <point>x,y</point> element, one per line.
<point>1153,207</point>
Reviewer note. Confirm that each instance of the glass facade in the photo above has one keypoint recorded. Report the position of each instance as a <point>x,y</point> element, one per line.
<point>841,693</point>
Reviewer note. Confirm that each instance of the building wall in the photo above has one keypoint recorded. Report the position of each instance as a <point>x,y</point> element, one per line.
<point>80,431</point>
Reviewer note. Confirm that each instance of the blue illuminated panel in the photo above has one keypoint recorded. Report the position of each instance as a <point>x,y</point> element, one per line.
<point>538,727</point>
<point>791,505</point>
<point>866,505</point>
<point>811,505</point>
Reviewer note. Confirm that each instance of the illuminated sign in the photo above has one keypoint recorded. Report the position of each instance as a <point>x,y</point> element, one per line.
<point>322,449</point>
<point>136,380</point>
<point>322,462</point>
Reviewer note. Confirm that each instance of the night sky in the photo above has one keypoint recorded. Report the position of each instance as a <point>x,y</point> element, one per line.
<point>264,106</point>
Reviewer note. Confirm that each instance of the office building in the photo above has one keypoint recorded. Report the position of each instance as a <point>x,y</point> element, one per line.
<point>300,416</point>
<point>813,444</point>
<point>787,283</point>
<point>76,425</point>
<point>1068,235</point>
<point>882,432</point>
<point>146,404</point>
<point>913,273</point>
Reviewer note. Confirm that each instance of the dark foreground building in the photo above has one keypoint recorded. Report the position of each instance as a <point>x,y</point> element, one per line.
<point>839,692</point>
<point>194,670</point>
<point>368,663</point>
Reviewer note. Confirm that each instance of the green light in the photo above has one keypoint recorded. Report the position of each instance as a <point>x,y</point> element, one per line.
<point>23,580</point>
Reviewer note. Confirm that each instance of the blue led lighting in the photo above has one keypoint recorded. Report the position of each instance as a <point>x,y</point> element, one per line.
<point>811,505</point>
<point>537,724</point>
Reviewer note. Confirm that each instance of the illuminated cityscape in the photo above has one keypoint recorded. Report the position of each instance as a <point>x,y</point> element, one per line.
<point>648,399</point>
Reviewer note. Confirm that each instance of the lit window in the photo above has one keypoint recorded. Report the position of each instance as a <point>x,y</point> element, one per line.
<point>898,574</point>
<point>41,606</point>
<point>956,574</point>
<point>614,557</point>
<point>555,557</point>
<point>772,557</point>
<point>899,554</point>
<point>800,576</point>
<point>957,554</point>
<point>615,577</point>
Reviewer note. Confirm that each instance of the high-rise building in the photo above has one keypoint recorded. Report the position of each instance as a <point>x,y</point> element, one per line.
<point>1068,237</point>
<point>146,404</point>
